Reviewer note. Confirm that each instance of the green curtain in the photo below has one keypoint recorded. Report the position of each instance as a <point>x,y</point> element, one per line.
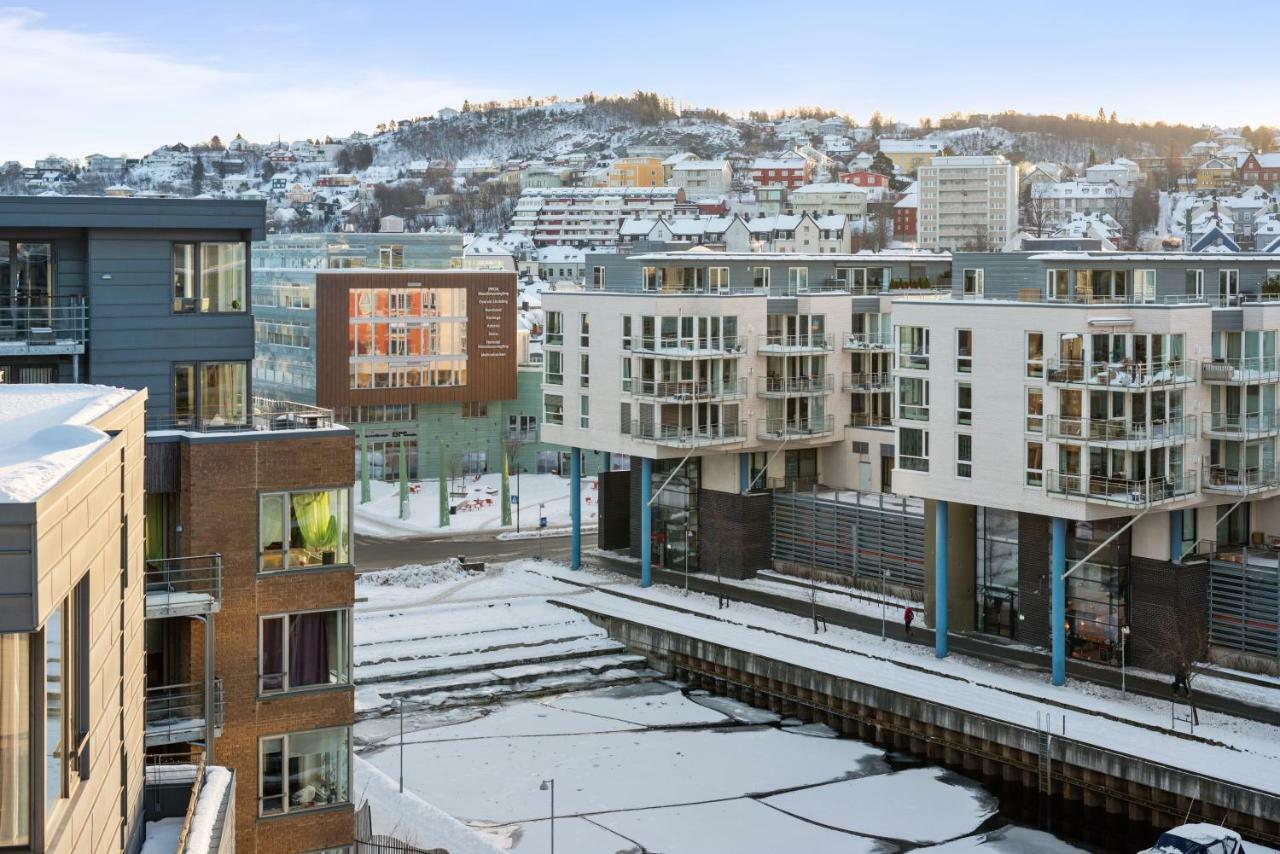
<point>317,524</point>
<point>271,522</point>
<point>153,529</point>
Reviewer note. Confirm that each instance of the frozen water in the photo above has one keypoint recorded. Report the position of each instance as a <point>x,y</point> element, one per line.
<point>647,704</point>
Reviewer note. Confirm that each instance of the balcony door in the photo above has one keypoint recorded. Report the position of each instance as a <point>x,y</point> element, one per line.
<point>26,283</point>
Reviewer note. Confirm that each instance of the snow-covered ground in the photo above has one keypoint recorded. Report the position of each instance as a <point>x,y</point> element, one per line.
<point>479,510</point>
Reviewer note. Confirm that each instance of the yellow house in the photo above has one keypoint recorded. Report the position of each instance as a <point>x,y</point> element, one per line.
<point>1215,173</point>
<point>636,172</point>
<point>908,155</point>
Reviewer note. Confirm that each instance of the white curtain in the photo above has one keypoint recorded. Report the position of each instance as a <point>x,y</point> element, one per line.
<point>15,738</point>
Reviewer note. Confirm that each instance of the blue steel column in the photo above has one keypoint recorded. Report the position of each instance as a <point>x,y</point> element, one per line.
<point>575,505</point>
<point>1175,535</point>
<point>1058,592</point>
<point>646,523</point>
<point>744,472</point>
<point>940,597</point>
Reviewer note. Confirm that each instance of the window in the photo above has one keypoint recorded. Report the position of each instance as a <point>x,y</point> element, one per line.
<point>1144,285</point>
<point>650,279</point>
<point>1057,284</point>
<point>597,278</point>
<point>624,418</point>
<point>1035,354</point>
<point>584,370</point>
<point>210,394</point>
<point>555,328</point>
<point>760,278</point>
<point>1035,410</point>
<point>524,426</point>
<point>553,368</point>
<point>304,770</point>
<point>964,455</point>
<point>553,408</point>
<point>626,373</point>
<point>913,347</point>
<point>208,277</point>
<point>475,409</point>
<point>303,528</point>
<point>55,708</point>
<point>797,279</point>
<point>913,449</point>
<point>964,403</point>
<point>964,351</point>
<point>305,650</point>
<point>626,332</point>
<point>719,279</point>
<point>973,282</point>
<point>1228,286</point>
<point>913,398</point>
<point>584,330</point>
<point>391,256</point>
<point>15,737</point>
<point>1035,464</point>
<point>1195,284</point>
<point>584,412</point>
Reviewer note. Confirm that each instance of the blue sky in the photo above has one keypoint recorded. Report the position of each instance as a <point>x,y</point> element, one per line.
<point>126,76</point>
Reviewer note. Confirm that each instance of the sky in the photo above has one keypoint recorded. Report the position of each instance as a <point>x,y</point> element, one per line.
<point>126,77</point>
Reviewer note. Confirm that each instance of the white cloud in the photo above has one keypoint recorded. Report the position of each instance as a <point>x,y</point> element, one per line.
<point>77,93</point>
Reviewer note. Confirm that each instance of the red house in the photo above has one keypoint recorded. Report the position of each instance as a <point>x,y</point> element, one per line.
<point>790,173</point>
<point>863,178</point>
<point>1261,169</point>
<point>904,217</point>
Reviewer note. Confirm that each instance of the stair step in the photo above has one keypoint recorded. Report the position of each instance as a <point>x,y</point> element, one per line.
<point>486,661</point>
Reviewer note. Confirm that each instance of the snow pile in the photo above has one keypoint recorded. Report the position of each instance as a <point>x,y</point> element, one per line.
<point>415,575</point>
<point>205,817</point>
<point>162,836</point>
<point>411,819</point>
<point>45,433</point>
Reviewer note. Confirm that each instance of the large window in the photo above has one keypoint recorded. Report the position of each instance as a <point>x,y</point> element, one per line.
<point>407,337</point>
<point>15,738</point>
<point>303,528</point>
<point>306,650</point>
<point>56,703</point>
<point>913,398</point>
<point>913,347</point>
<point>209,277</point>
<point>913,449</point>
<point>304,770</point>
<point>210,394</point>
<point>553,409</point>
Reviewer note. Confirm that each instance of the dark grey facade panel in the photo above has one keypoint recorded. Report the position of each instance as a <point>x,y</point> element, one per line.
<point>98,212</point>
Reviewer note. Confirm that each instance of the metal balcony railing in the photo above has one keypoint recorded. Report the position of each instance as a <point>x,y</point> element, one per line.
<point>1239,480</point>
<point>47,324</point>
<point>867,382</point>
<point>799,385</point>
<point>1119,376</point>
<point>266,415</point>
<point>815,341</point>
<point>1119,490</point>
<point>869,419</point>
<point>1253,369</point>
<point>1121,430</point>
<point>795,428</point>
<point>882,341</point>
<point>175,713</point>
<point>682,390</point>
<point>794,483</point>
<point>181,586</point>
<point>1237,425</point>
<point>677,345</point>
<point>911,463</point>
<point>687,436</point>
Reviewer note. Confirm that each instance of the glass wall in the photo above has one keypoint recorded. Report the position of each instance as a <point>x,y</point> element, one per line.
<point>15,738</point>
<point>675,514</point>
<point>209,277</point>
<point>210,394</point>
<point>1097,592</point>
<point>997,571</point>
<point>307,650</point>
<point>407,337</point>
<point>304,770</point>
<point>303,529</point>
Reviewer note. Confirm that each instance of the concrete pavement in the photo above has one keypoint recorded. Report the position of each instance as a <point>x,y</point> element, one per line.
<point>380,553</point>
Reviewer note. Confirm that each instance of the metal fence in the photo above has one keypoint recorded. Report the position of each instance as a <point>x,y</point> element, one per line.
<point>1244,606</point>
<point>870,537</point>
<point>368,842</point>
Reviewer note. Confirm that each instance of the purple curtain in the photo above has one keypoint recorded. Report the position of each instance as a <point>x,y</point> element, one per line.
<point>273,654</point>
<point>309,649</point>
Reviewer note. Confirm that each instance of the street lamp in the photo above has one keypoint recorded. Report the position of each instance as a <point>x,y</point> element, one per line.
<point>884,603</point>
<point>550,785</point>
<point>1124,642</point>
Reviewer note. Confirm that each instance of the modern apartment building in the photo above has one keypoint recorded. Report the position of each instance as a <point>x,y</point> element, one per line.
<point>1096,433</point>
<point>967,203</point>
<point>637,172</point>
<point>588,217</point>
<point>242,495</point>
<point>702,179</point>
<point>722,375</point>
<point>828,199</point>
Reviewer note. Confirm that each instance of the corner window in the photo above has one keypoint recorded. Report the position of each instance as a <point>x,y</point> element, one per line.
<point>913,398</point>
<point>553,367</point>
<point>304,770</point>
<point>1058,284</point>
<point>597,278</point>
<point>391,256</point>
<point>1144,285</point>
<point>1035,410</point>
<point>719,279</point>
<point>1035,464</point>
<point>584,412</point>
<point>303,529</point>
<point>307,650</point>
<point>553,409</point>
<point>913,449</point>
<point>209,277</point>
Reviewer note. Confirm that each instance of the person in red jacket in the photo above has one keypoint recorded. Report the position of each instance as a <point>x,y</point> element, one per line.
<point>907,616</point>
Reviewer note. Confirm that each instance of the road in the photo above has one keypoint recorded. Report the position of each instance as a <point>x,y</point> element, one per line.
<point>379,553</point>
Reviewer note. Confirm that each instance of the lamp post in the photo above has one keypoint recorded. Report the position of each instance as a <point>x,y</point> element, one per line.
<point>1124,642</point>
<point>884,605</point>
<point>550,785</point>
<point>401,699</point>
<point>686,555</point>
<point>518,470</point>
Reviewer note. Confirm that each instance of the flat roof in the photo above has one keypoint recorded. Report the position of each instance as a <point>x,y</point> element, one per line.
<point>46,432</point>
<point>701,256</point>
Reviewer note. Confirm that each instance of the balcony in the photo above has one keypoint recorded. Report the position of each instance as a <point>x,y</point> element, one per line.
<point>869,419</point>
<point>867,383</point>
<point>1119,376</point>
<point>1121,491</point>
<point>686,391</point>
<point>1121,433</point>
<point>676,347</point>
<point>175,713</point>
<point>1240,427</point>
<point>174,783</point>
<point>183,586</point>
<point>795,483</point>
<point>48,327</point>
<point>267,416</point>
<point>795,344</point>
<point>1238,480</point>
<point>869,342</point>
<point>795,428</point>
<point>680,436</point>
<point>1243,371</point>
<point>795,386</point>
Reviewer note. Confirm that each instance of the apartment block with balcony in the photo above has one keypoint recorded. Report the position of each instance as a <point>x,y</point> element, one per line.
<point>241,493</point>
<point>720,376</point>
<point>588,217</point>
<point>968,202</point>
<point>1094,434</point>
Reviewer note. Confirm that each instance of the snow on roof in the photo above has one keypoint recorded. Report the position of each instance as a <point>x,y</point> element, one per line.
<point>778,163</point>
<point>910,146</point>
<point>45,433</point>
<point>636,226</point>
<point>828,189</point>
<point>864,257</point>
<point>560,255</point>
<point>832,222</point>
<point>1203,833</point>
<point>699,165</point>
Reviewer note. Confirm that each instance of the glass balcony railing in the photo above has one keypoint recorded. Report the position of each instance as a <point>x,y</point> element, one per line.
<point>814,341</point>
<point>183,585</point>
<point>793,386</point>
<point>266,415</point>
<point>795,428</point>
<point>685,436</point>
<point>1238,425</point>
<point>1244,370</point>
<point>876,341</point>
<point>176,713</point>
<point>867,382</point>
<point>682,390</point>
<point>1120,490</point>
<point>1122,430</point>
<point>1119,375</point>
<point>676,345</point>
<point>44,324</point>
<point>1241,480</point>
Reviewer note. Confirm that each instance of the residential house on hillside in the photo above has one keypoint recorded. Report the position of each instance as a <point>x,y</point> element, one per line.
<point>828,199</point>
<point>702,179</point>
<point>637,172</point>
<point>1261,169</point>
<point>864,178</point>
<point>909,154</point>
<point>790,172</point>
<point>1215,173</point>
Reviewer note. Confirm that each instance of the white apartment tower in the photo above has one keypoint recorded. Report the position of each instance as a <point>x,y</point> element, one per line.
<point>967,203</point>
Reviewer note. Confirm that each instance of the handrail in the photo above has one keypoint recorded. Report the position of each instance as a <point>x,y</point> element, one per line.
<point>1120,490</point>
<point>267,415</point>
<point>195,574</point>
<point>672,434</point>
<point>688,389</point>
<point>802,341</point>
<point>868,341</point>
<point>196,785</point>
<point>1121,429</point>
<point>1240,369</point>
<point>1123,374</point>
<point>808,384</point>
<point>874,381</point>
<point>1245,424</point>
<point>48,320</point>
<point>682,344</point>
<point>796,427</point>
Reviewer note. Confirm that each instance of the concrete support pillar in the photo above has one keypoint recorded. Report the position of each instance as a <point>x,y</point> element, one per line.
<point>940,598</point>
<point>646,522</point>
<point>1058,599</point>
<point>575,506</point>
<point>210,699</point>
<point>608,461</point>
<point>1175,535</point>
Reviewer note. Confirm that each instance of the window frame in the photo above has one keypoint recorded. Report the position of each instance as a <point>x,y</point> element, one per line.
<point>1034,368</point>
<point>1028,416</point>
<point>964,465</point>
<point>197,274</point>
<point>286,528</point>
<point>964,414</point>
<point>978,277</point>
<point>1029,473</point>
<point>197,421</point>
<point>349,652</point>
<point>284,771</point>
<point>964,364</point>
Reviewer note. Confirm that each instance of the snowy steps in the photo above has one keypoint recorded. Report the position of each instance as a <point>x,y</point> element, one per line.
<point>488,660</point>
<point>470,643</point>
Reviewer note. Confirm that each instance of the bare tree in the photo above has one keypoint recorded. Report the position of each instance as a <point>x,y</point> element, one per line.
<point>1037,213</point>
<point>1178,645</point>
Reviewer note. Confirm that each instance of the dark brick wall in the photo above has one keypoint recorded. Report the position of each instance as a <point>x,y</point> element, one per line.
<point>614,531</point>
<point>736,533</point>
<point>634,520</point>
<point>1161,592</point>
<point>1034,540</point>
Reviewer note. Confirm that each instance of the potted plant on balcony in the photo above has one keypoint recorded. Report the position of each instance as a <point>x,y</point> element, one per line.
<point>1271,287</point>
